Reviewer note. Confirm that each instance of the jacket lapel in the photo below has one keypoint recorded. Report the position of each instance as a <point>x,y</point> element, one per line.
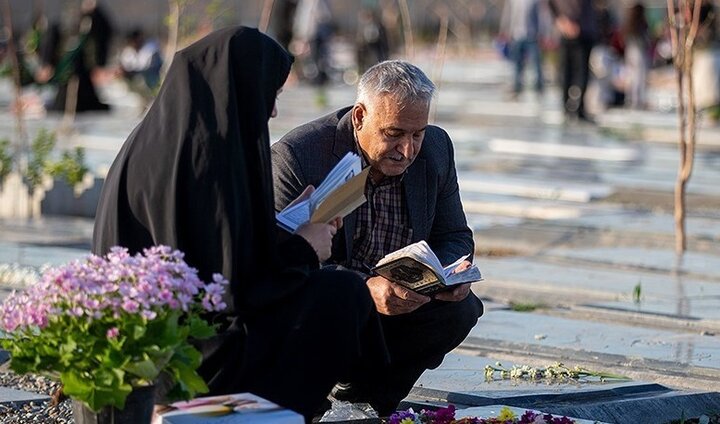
<point>414,187</point>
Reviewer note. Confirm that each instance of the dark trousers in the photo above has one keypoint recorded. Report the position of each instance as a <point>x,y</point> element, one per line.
<point>294,352</point>
<point>576,74</point>
<point>416,341</point>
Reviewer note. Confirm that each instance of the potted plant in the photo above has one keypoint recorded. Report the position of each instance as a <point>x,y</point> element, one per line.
<point>107,327</point>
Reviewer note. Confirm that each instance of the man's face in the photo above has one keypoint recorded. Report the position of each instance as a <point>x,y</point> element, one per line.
<point>390,135</point>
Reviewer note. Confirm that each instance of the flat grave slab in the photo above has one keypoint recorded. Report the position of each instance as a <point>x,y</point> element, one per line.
<point>508,185</point>
<point>460,380</point>
<point>8,395</point>
<point>635,344</point>
<point>687,296</point>
<point>704,264</point>
<point>653,223</point>
<point>37,256</point>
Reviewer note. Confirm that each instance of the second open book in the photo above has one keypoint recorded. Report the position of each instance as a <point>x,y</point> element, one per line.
<point>418,268</point>
<point>340,193</point>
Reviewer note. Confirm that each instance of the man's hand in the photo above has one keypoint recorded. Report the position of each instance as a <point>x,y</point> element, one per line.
<point>393,299</point>
<point>455,295</point>
<point>458,293</point>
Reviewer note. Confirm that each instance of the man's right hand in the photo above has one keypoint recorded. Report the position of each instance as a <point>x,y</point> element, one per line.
<point>394,299</point>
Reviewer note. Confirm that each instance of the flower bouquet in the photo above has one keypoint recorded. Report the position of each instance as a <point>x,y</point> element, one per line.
<point>105,326</point>
<point>557,372</point>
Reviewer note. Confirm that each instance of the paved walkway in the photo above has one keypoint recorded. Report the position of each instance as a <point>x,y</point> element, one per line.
<point>572,222</point>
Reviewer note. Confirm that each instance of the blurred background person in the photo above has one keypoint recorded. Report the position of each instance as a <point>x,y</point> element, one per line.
<point>637,44</point>
<point>82,56</point>
<point>577,23</point>
<point>523,23</point>
<point>312,32</point>
<point>606,62</point>
<point>140,63</point>
<point>371,40</point>
<point>285,17</point>
<point>706,66</point>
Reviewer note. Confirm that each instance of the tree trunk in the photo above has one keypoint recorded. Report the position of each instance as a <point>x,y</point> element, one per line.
<point>683,35</point>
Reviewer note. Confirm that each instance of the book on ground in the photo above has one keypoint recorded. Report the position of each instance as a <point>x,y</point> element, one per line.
<point>229,409</point>
<point>418,268</point>
<point>340,193</point>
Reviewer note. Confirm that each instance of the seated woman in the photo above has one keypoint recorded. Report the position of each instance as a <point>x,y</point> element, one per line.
<point>195,175</point>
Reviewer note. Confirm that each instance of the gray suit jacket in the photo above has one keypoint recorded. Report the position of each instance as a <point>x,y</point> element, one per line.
<point>307,154</point>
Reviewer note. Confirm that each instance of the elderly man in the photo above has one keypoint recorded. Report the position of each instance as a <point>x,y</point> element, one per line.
<point>412,195</point>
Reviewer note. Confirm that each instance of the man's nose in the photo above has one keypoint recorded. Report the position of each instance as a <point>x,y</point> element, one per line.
<point>406,147</point>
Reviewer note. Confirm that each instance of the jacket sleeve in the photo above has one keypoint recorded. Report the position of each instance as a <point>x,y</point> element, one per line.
<point>450,236</point>
<point>288,179</point>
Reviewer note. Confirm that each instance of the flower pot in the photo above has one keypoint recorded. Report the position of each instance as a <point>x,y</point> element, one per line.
<point>138,410</point>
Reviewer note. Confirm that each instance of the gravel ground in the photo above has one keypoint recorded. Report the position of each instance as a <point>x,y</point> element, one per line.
<point>33,412</point>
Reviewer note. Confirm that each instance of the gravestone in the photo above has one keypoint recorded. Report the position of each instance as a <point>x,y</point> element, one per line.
<point>460,380</point>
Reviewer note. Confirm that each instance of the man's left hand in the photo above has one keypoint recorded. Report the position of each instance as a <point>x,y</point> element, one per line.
<point>460,292</point>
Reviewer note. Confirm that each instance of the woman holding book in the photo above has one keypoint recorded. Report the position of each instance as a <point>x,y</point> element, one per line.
<point>195,175</point>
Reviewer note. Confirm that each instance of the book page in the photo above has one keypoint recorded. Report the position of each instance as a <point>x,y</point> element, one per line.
<point>450,268</point>
<point>294,216</point>
<point>420,251</point>
<point>469,275</point>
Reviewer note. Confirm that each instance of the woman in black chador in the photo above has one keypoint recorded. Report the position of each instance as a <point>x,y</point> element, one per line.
<point>195,175</point>
<point>77,64</point>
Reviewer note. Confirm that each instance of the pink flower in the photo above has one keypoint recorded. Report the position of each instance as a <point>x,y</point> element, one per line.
<point>112,333</point>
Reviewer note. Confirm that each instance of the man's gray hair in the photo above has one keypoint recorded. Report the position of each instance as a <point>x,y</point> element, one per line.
<point>404,81</point>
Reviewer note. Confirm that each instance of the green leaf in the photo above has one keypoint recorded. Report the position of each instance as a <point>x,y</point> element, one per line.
<point>137,331</point>
<point>67,350</point>
<point>200,329</point>
<point>190,383</point>
<point>144,369</point>
<point>75,386</point>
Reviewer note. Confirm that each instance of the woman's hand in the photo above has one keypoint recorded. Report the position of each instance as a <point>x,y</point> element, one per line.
<point>319,236</point>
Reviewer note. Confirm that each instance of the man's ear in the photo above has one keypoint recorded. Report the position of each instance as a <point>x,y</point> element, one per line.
<point>358,115</point>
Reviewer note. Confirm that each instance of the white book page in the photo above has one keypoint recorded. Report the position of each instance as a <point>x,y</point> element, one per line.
<point>420,251</point>
<point>469,275</point>
<point>450,268</point>
<point>296,215</point>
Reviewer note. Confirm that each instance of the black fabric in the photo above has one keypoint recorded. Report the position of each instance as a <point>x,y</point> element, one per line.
<point>77,64</point>
<point>195,175</point>
<point>100,34</point>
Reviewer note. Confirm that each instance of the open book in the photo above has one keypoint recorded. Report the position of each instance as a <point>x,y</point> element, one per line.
<point>340,193</point>
<point>417,267</point>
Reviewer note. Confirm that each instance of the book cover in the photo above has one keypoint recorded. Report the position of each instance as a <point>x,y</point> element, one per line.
<point>229,409</point>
